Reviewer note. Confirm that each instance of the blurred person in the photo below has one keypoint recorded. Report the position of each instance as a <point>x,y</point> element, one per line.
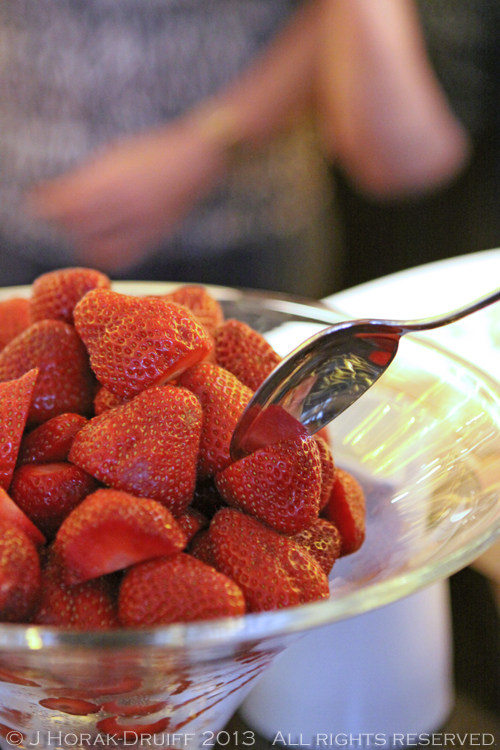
<point>462,216</point>
<point>173,140</point>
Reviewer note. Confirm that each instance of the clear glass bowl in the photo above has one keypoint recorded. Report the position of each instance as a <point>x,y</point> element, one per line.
<point>424,443</point>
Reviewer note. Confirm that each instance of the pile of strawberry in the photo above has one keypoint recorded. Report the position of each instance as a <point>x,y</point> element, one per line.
<point>119,502</point>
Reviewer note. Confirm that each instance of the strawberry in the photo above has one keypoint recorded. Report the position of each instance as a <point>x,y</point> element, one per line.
<point>54,295</point>
<point>136,706</point>
<point>268,426</point>
<point>346,509</point>
<point>204,307</point>
<point>15,401</point>
<point>19,575</point>
<point>201,547</point>
<point>135,342</point>
<point>272,570</point>
<point>223,398</point>
<point>176,589</point>
<point>244,352</point>
<point>129,732</point>
<point>191,522</point>
<point>327,470</point>
<point>85,606</point>
<point>65,382</point>
<point>322,541</point>
<point>280,485</point>
<point>14,318</point>
<point>47,493</point>
<point>51,441</point>
<point>69,705</point>
<point>12,515</point>
<point>111,530</point>
<point>147,447</point>
<point>105,400</point>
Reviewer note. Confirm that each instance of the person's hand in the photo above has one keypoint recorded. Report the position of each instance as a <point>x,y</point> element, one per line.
<point>119,205</point>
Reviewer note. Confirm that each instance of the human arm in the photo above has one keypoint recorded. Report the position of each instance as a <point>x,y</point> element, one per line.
<point>377,104</point>
<point>383,114</point>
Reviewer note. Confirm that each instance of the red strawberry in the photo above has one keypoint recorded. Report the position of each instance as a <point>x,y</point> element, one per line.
<point>346,509</point>
<point>54,295</point>
<point>84,606</point>
<point>105,400</point>
<point>147,447</point>
<point>136,706</point>
<point>327,470</point>
<point>47,493</point>
<point>19,575</point>
<point>268,426</point>
<point>51,441</point>
<point>128,731</point>
<point>201,548</point>
<point>135,342</point>
<point>191,522</point>
<point>322,541</point>
<point>65,382</point>
<point>244,352</point>
<point>15,400</point>
<point>14,318</point>
<point>204,307</point>
<point>223,398</point>
<point>272,570</point>
<point>111,530</point>
<point>73,706</point>
<point>280,485</point>
<point>176,589</point>
<point>12,515</point>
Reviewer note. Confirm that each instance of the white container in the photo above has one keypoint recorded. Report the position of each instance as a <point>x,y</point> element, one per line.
<point>385,675</point>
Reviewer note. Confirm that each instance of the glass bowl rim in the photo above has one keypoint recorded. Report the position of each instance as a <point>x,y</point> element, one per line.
<point>253,628</point>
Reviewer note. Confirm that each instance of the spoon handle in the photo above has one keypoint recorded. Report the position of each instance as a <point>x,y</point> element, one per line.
<point>437,321</point>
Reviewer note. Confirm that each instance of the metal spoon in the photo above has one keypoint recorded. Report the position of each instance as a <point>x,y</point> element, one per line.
<point>326,374</point>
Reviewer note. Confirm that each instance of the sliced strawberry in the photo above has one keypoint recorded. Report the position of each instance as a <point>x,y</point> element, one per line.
<point>47,493</point>
<point>176,589</point>
<point>327,470</point>
<point>14,318</point>
<point>204,307</point>
<point>268,426</point>
<point>135,342</point>
<point>54,295</point>
<point>244,352</point>
<point>135,706</point>
<point>223,398</point>
<point>15,402</point>
<point>191,522</point>
<point>131,732</point>
<point>65,382</point>
<point>346,509</point>
<point>73,706</point>
<point>201,548</point>
<point>272,570</point>
<point>84,606</point>
<point>111,530</point>
<point>280,485</point>
<point>51,441</point>
<point>105,400</point>
<point>19,575</point>
<point>148,446</point>
<point>322,541</point>
<point>12,515</point>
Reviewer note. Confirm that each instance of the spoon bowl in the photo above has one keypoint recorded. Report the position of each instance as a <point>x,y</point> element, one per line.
<point>323,376</point>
